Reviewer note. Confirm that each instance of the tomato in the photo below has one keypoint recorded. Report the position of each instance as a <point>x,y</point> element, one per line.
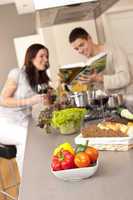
<point>82,159</point>
<point>93,153</point>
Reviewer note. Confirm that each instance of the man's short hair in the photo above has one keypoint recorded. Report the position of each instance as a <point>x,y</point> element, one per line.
<point>78,33</point>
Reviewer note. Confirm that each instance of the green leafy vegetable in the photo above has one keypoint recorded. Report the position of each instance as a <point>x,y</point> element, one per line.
<point>68,117</point>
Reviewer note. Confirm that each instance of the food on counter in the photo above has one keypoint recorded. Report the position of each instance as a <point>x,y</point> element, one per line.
<point>130,124</point>
<point>61,91</point>
<point>82,159</point>
<point>44,119</point>
<point>79,87</point>
<point>63,160</point>
<point>105,129</point>
<point>93,153</point>
<point>68,120</point>
<point>45,116</point>
<point>65,146</point>
<point>113,126</point>
<point>125,113</point>
<point>66,157</point>
<point>81,148</point>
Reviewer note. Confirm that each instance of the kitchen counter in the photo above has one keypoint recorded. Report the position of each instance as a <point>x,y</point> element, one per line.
<point>113,180</point>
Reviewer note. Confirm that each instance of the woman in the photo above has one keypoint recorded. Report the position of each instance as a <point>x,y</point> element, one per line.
<point>20,94</point>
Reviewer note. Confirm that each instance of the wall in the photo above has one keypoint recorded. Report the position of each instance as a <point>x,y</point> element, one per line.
<point>12,25</point>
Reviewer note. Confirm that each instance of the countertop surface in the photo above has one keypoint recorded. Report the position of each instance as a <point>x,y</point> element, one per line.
<point>112,181</point>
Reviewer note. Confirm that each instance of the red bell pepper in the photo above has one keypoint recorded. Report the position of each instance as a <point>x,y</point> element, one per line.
<point>63,160</point>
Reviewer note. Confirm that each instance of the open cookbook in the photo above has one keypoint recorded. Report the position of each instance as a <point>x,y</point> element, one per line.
<point>71,72</point>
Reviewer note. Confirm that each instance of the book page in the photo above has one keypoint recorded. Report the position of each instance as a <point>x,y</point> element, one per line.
<point>97,63</point>
<point>70,73</point>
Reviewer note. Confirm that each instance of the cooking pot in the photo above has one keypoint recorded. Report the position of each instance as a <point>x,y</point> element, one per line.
<point>79,99</point>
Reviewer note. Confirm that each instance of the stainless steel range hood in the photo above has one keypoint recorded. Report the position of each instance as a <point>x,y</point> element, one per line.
<point>71,13</point>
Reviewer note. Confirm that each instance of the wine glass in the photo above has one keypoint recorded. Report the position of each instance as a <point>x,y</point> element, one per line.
<point>42,88</point>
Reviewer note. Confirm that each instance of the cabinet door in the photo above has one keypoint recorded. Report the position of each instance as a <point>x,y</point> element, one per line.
<point>118,25</point>
<point>21,45</point>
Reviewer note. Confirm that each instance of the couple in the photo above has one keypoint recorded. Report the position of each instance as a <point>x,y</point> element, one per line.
<point>19,93</point>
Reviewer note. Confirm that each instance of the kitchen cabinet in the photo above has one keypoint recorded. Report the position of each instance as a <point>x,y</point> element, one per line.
<point>117,24</point>
<point>22,43</point>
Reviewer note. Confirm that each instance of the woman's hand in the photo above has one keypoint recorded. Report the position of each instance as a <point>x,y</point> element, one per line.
<point>38,98</point>
<point>41,98</point>
<point>46,99</point>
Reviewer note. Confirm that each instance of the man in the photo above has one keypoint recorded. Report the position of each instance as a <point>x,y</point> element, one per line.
<point>116,77</point>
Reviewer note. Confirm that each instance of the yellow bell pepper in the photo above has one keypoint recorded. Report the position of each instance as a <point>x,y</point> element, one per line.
<point>65,146</point>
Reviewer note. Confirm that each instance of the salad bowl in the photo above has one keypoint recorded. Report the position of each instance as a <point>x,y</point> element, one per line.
<point>76,174</point>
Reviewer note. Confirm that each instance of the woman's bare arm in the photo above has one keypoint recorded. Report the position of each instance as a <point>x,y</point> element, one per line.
<point>8,100</point>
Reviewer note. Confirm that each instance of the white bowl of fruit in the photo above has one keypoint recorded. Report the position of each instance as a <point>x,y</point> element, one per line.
<point>71,165</point>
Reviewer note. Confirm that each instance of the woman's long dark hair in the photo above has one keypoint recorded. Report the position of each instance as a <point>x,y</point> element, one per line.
<point>35,76</point>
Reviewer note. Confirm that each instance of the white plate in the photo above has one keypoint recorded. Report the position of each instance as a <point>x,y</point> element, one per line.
<point>76,174</point>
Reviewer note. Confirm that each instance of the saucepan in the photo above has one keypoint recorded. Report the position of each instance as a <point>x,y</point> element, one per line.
<point>79,99</point>
<point>84,99</point>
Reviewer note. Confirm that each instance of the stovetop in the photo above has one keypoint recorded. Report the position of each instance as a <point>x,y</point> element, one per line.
<point>104,114</point>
